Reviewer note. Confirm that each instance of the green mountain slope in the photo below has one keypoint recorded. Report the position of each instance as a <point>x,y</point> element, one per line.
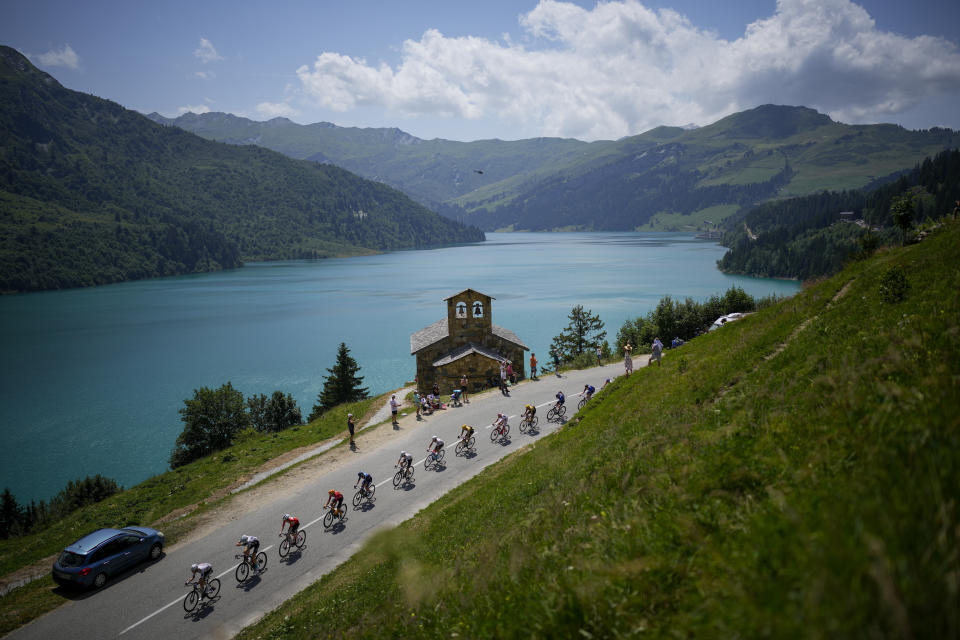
<point>666,178</point>
<point>432,171</point>
<point>794,474</point>
<point>92,193</point>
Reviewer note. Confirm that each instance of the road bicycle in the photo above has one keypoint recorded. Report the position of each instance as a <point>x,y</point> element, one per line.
<point>434,458</point>
<point>556,413</point>
<point>362,494</point>
<point>247,565</point>
<point>194,596</point>
<point>465,445</point>
<point>404,475</point>
<point>499,432</point>
<point>528,425</point>
<point>582,402</point>
<point>334,514</point>
<point>289,540</point>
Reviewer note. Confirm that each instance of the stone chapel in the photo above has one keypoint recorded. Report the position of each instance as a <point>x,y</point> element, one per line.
<point>465,342</point>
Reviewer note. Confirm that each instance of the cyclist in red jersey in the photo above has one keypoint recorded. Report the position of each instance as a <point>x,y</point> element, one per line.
<point>293,523</point>
<point>334,501</point>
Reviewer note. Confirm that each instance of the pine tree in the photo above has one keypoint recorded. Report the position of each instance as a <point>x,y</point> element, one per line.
<point>11,515</point>
<point>342,385</point>
<point>584,332</point>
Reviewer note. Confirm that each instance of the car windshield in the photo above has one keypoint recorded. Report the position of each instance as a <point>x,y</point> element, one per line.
<point>71,559</point>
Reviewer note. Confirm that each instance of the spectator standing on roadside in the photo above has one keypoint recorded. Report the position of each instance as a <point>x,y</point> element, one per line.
<point>657,351</point>
<point>463,386</point>
<point>510,373</point>
<point>503,378</point>
<point>533,366</point>
<point>394,406</point>
<point>416,402</point>
<point>598,355</point>
<point>627,358</point>
<point>351,425</point>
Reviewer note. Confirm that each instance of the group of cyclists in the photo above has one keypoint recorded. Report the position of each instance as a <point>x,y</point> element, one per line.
<point>203,570</point>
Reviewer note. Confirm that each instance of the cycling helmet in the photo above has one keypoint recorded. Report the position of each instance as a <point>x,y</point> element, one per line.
<point>403,453</point>
<point>286,517</point>
<point>194,566</point>
<point>435,438</point>
<point>243,539</point>
<point>331,492</point>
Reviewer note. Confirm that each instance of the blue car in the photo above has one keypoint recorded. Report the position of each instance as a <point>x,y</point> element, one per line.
<point>105,553</point>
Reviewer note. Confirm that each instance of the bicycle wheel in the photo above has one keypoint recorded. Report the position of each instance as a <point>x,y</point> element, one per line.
<point>357,497</point>
<point>242,572</point>
<point>562,411</point>
<point>494,434</point>
<point>473,441</point>
<point>505,431</point>
<point>552,414</point>
<point>580,404</point>
<point>427,461</point>
<point>190,602</point>
<point>213,588</point>
<point>261,561</point>
<point>372,490</point>
<point>328,519</point>
<point>301,539</point>
<point>284,548</point>
<point>459,448</point>
<point>524,425</point>
<point>397,478</point>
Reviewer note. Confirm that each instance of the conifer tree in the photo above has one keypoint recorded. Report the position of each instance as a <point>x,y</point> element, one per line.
<point>342,385</point>
<point>584,332</point>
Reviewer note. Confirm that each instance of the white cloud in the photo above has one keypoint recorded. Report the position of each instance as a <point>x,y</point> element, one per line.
<point>206,52</point>
<point>198,109</point>
<point>622,68</point>
<point>65,57</point>
<point>276,110</point>
<point>204,75</point>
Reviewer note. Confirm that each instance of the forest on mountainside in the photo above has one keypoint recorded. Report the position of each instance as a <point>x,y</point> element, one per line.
<point>91,193</point>
<point>806,237</point>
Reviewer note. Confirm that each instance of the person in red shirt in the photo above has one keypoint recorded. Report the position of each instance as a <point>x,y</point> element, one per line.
<point>293,524</point>
<point>334,501</point>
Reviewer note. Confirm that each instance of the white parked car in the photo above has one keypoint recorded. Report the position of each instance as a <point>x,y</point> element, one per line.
<point>722,320</point>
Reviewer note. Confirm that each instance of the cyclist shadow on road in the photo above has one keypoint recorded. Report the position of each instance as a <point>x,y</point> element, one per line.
<point>204,609</point>
<point>294,555</point>
<point>504,441</point>
<point>365,506</point>
<point>337,527</point>
<point>409,485</point>
<point>251,582</point>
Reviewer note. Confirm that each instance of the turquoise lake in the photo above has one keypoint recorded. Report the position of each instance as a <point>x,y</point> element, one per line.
<point>92,379</point>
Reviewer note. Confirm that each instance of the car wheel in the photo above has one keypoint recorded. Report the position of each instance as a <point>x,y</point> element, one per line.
<point>156,551</point>
<point>100,580</point>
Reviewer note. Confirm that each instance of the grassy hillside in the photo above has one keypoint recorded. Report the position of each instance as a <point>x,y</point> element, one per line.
<point>92,193</point>
<point>794,474</point>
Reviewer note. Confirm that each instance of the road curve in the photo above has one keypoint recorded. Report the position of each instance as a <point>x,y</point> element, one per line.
<point>146,603</point>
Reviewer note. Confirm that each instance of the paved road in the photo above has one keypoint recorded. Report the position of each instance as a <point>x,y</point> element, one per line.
<point>147,602</point>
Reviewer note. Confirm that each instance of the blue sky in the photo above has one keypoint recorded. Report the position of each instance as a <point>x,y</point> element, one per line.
<point>498,69</point>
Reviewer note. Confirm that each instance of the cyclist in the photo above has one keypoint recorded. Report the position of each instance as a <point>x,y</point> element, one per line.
<point>529,412</point>
<point>588,390</point>
<point>435,445</point>
<point>366,479</point>
<point>334,501</point>
<point>501,421</point>
<point>605,383</point>
<point>405,461</point>
<point>292,523</point>
<point>250,545</point>
<point>204,569</point>
<point>560,400</point>
<point>466,432</point>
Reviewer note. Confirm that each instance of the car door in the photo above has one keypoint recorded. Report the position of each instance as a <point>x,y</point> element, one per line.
<point>127,550</point>
<point>109,557</point>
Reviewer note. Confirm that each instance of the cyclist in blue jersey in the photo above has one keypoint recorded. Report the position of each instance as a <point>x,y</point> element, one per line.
<point>588,390</point>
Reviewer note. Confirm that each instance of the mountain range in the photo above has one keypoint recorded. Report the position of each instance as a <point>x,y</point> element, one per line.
<point>92,193</point>
<point>669,178</point>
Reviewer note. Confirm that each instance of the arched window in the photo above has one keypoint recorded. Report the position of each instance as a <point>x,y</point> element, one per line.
<point>461,309</point>
<point>478,309</point>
